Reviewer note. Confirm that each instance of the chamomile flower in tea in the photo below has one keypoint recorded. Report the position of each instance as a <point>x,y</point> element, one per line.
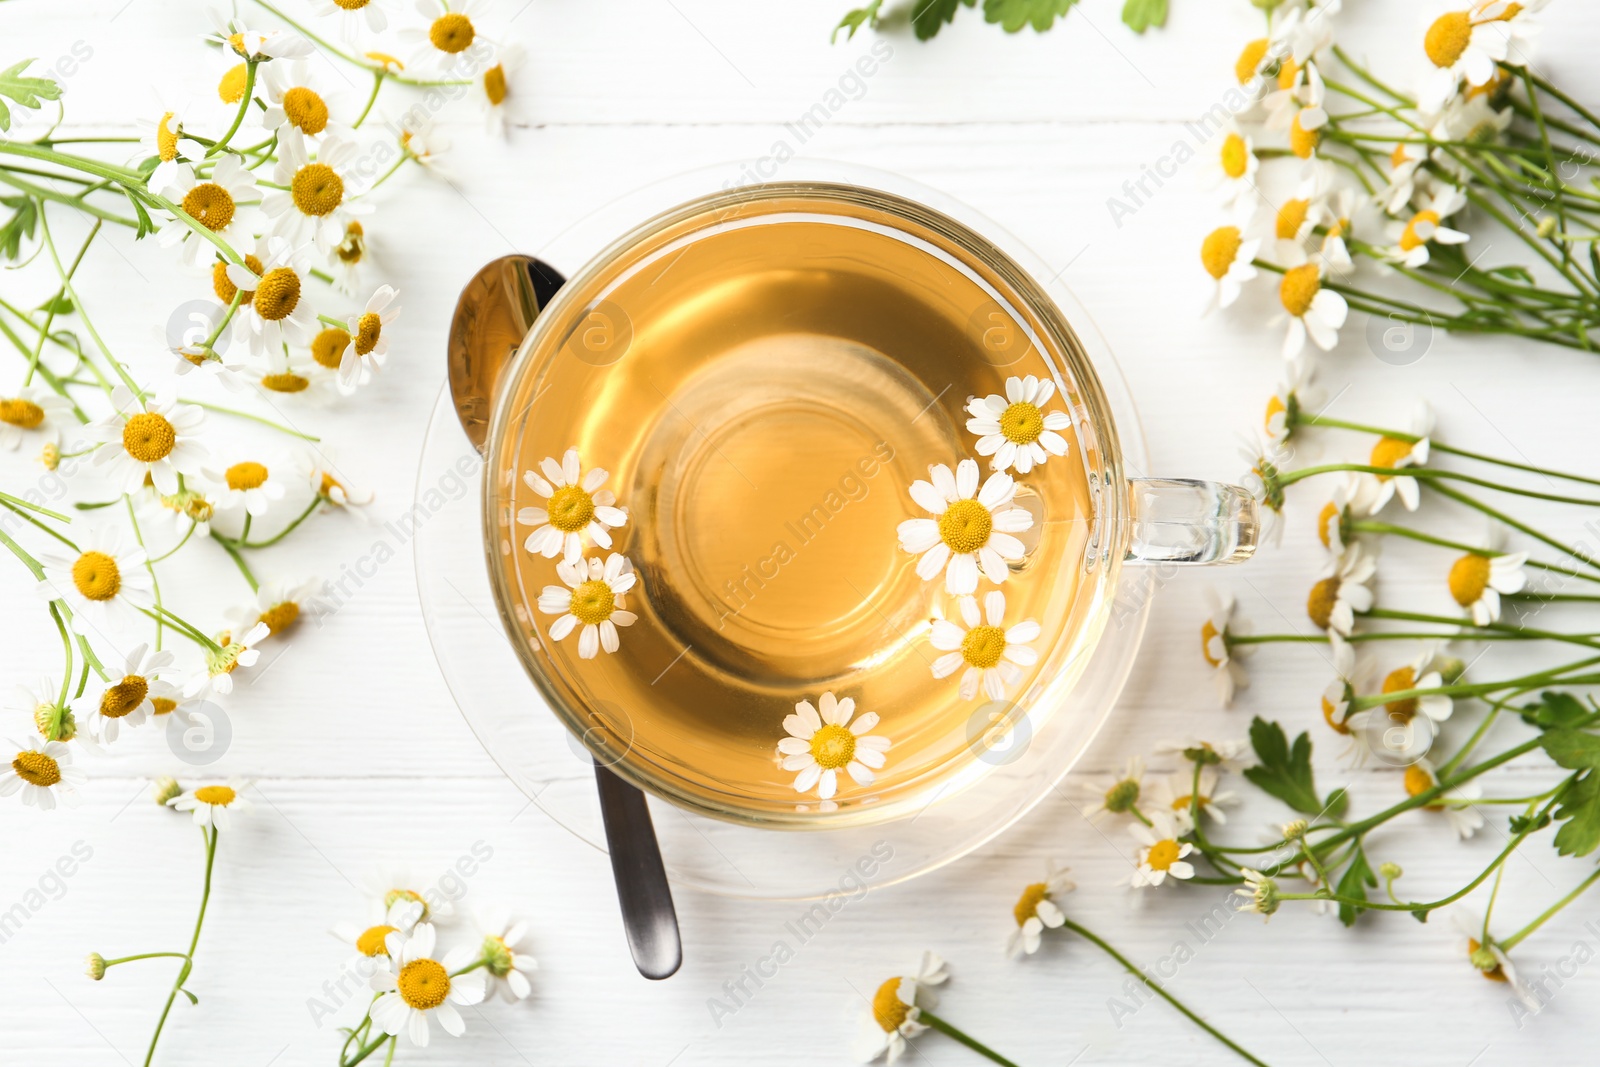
<point>823,741</point>
<point>577,508</point>
<point>1016,429</point>
<point>593,600</point>
<point>992,653</point>
<point>973,528</point>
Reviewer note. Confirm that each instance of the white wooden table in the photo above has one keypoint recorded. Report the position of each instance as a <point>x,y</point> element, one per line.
<point>362,764</point>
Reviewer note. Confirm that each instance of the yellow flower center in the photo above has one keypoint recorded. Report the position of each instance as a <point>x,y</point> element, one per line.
<point>328,346</point>
<point>1398,681</point>
<point>1235,156</point>
<point>223,285</point>
<point>236,42</point>
<point>451,32</point>
<point>424,984</point>
<point>352,5</point>
<point>1183,803</point>
<point>163,705</point>
<point>317,189</point>
<point>1303,142</point>
<point>1220,249</point>
<point>1418,781</point>
<point>166,139</point>
<point>1319,605</point>
<point>368,329</point>
<point>1275,406</point>
<point>571,508</point>
<point>833,746</point>
<point>1409,238</point>
<point>1448,37</point>
<point>246,475</point>
<point>328,485</point>
<point>494,84</point>
<point>305,109</point>
<point>231,88</point>
<point>593,602</point>
<point>1288,74</point>
<point>1163,854</point>
<point>277,293</point>
<point>124,697</point>
<point>96,576</point>
<point>1469,577</point>
<point>36,768</point>
<point>1028,904</point>
<point>281,616</point>
<point>1399,156</point>
<point>965,526</point>
<point>1299,288</point>
<point>1325,523</point>
<point>285,383</point>
<point>1207,632</point>
<point>1249,61</point>
<point>354,245</point>
<point>370,941</point>
<point>210,205</point>
<point>1022,422</point>
<point>887,1007</point>
<point>1328,713</point>
<point>1291,218</point>
<point>1389,452</point>
<point>983,646</point>
<point>148,437</point>
<point>20,412</point>
<point>218,796</point>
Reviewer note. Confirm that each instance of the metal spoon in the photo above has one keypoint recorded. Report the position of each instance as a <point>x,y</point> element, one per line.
<point>495,312</point>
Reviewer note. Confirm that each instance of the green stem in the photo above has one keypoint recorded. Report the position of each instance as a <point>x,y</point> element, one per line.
<point>77,305</point>
<point>369,67</point>
<point>1436,446</point>
<point>149,565</point>
<point>1515,524</point>
<point>924,1015</point>
<point>1509,943</point>
<point>238,560</point>
<point>66,652</point>
<point>50,310</point>
<point>145,956</point>
<point>188,959</point>
<point>244,106</point>
<point>74,202</point>
<point>377,84</point>
<point>235,413</point>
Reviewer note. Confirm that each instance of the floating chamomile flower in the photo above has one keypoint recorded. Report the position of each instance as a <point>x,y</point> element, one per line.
<point>317,199</point>
<point>397,916</point>
<point>166,141</point>
<point>212,806</point>
<point>1456,803</point>
<point>414,987</point>
<point>1464,45</point>
<point>256,45</point>
<point>156,439</point>
<point>593,597</point>
<point>896,1011</point>
<point>1229,259</point>
<point>1118,797</point>
<point>496,86</point>
<point>576,508</point>
<point>1015,429</point>
<point>1426,227</point>
<point>32,416</point>
<point>972,529</point>
<point>1036,910</point>
<point>1162,853</point>
<point>353,14</point>
<point>1488,958</point>
<point>1341,591</point>
<point>1176,793</point>
<point>1228,674</point>
<point>246,485</point>
<point>821,744</point>
<point>293,104</point>
<point>1397,453</point>
<point>993,655</point>
<point>131,701</point>
<point>43,772</point>
<point>212,202</point>
<point>505,960</point>
<point>278,606</point>
<point>368,346</point>
<point>278,312</point>
<point>104,584</point>
<point>1478,579</point>
<point>1313,311</point>
<point>451,31</point>
<point>221,663</point>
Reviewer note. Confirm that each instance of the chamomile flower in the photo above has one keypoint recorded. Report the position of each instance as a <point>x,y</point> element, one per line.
<point>223,661</point>
<point>319,471</point>
<point>256,45</point>
<point>1231,167</point>
<point>1015,429</point>
<point>1341,591</point>
<point>993,654</point>
<point>1299,87</point>
<point>1335,215</point>
<point>1353,499</point>
<point>1290,401</point>
<point>293,103</point>
<point>212,806</point>
<point>593,597</point>
<point>822,741</point>
<point>1305,131</point>
<point>1256,58</point>
<point>1227,673</point>
<point>424,141</point>
<point>43,705</point>
<point>1489,959</point>
<point>450,33</point>
<point>396,885</point>
<point>181,510</point>
<point>576,508</point>
<point>1404,162</point>
<point>157,439</point>
<point>1420,673</point>
<point>1230,260</point>
<point>1119,796</point>
<point>371,940</point>
<point>1313,311</point>
<point>104,583</point>
<point>1463,45</point>
<point>1260,893</point>
<point>1036,910</point>
<point>1337,694</point>
<point>1398,453</point>
<point>1293,220</point>
<point>1228,755</point>
<point>1456,803</point>
<point>212,202</point>
<point>353,14</point>
<point>1426,227</point>
<point>1266,459</point>
<point>317,199</point>
<point>496,86</point>
<point>278,606</point>
<point>131,701</point>
<point>347,256</point>
<point>415,987</point>
<point>33,415</point>
<point>1478,579</point>
<point>248,486</point>
<point>506,959</point>
<point>1472,119</point>
<point>43,772</point>
<point>368,346</point>
<point>297,373</point>
<point>1175,793</point>
<point>896,1008</point>
<point>972,529</point>
<point>279,312</point>
<point>1161,854</point>
<point>166,141</point>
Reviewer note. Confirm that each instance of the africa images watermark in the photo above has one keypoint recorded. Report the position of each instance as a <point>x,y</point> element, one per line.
<point>1136,192</point>
<point>50,885</point>
<point>1197,933</point>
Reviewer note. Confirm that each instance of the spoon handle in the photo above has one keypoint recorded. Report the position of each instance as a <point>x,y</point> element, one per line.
<point>648,917</point>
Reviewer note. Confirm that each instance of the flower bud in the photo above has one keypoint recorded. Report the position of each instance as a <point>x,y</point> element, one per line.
<point>165,789</point>
<point>55,722</point>
<point>95,966</point>
<point>1295,829</point>
<point>50,456</point>
<point>1390,871</point>
<point>1547,226</point>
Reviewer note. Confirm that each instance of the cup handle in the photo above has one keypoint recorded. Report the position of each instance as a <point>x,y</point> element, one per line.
<point>1176,520</point>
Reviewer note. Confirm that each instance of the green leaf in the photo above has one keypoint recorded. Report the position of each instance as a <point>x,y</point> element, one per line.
<point>1283,772</point>
<point>1528,824</point>
<point>1580,808</point>
<point>1355,881</point>
<point>1555,711</point>
<point>1140,15</point>
<point>1012,15</point>
<point>1337,804</point>
<point>854,20</point>
<point>142,216</point>
<point>24,217</point>
<point>1573,749</point>
<point>24,91</point>
<point>59,304</point>
<point>1514,272</point>
<point>928,17</point>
